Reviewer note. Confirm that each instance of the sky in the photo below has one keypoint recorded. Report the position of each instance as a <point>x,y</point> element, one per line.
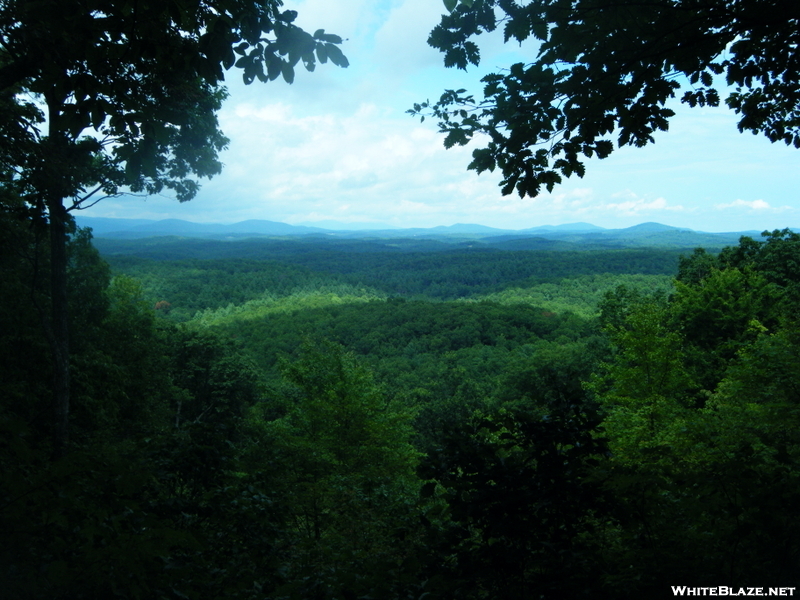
<point>337,145</point>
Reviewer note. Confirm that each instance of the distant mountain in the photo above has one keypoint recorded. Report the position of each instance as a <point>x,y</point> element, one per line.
<point>564,227</point>
<point>466,228</point>
<point>175,227</point>
<point>103,225</point>
<point>140,228</point>
<point>651,227</point>
<point>341,226</point>
<point>578,235</point>
<point>270,228</point>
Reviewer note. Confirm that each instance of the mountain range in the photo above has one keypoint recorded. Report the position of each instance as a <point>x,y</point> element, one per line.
<point>582,234</point>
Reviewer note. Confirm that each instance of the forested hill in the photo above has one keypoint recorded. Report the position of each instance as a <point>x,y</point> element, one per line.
<point>357,419</point>
<point>195,275</point>
<point>389,264</point>
<point>175,247</point>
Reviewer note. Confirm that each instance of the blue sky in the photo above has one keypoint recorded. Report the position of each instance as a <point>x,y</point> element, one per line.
<point>337,145</point>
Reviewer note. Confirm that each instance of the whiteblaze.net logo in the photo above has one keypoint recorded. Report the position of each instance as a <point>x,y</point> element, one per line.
<point>724,590</point>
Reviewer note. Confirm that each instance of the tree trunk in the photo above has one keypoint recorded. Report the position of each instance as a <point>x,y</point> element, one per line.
<point>54,187</point>
<point>60,325</point>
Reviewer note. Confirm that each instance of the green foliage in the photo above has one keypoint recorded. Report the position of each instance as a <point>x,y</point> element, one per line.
<point>192,286</point>
<point>581,295</point>
<point>520,509</point>
<point>238,272</point>
<point>89,277</point>
<point>78,527</point>
<point>693,269</point>
<point>24,369</point>
<point>346,474</point>
<point>777,259</point>
<point>216,382</point>
<point>146,504</point>
<point>120,382</point>
<point>165,517</point>
<point>308,299</point>
<point>645,389</point>
<point>744,291</point>
<point>411,345</point>
<point>700,407</point>
<point>599,76</point>
<point>555,456</point>
<point>718,483</point>
<point>126,103</point>
<point>739,304</point>
<point>550,373</point>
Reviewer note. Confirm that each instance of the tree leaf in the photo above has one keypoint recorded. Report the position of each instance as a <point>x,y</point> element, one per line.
<point>322,53</point>
<point>336,56</point>
<point>287,70</point>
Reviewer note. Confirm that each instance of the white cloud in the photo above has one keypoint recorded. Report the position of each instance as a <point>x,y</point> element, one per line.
<point>753,205</point>
<point>290,165</point>
<point>636,206</point>
<point>586,203</point>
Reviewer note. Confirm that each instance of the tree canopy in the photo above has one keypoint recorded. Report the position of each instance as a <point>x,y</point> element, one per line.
<point>603,73</point>
<point>326,441</point>
<point>130,88</point>
<point>105,97</point>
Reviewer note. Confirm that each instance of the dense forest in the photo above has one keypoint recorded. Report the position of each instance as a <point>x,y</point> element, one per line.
<point>302,422</point>
<point>369,419</point>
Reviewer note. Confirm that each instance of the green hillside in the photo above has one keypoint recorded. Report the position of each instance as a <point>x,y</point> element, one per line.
<point>314,420</point>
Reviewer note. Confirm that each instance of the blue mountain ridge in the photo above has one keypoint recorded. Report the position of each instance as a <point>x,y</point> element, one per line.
<point>143,228</point>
